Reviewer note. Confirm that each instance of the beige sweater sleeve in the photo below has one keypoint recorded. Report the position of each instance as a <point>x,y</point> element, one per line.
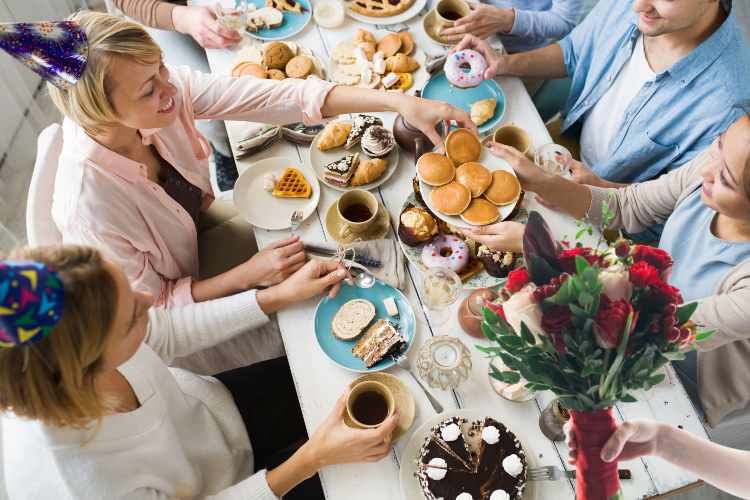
<point>644,204</point>
<point>152,13</point>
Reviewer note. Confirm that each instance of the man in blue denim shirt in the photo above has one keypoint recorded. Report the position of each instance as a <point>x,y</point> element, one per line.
<point>700,66</point>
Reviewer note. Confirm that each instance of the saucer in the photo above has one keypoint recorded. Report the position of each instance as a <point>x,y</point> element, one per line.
<point>429,25</point>
<point>401,394</point>
<point>382,225</point>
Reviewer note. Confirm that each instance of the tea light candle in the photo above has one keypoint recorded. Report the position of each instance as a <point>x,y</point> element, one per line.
<point>444,362</point>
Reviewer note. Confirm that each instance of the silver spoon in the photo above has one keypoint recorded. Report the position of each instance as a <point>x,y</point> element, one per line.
<point>361,277</point>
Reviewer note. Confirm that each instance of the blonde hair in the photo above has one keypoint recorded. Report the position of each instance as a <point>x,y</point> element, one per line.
<point>53,380</point>
<point>87,102</point>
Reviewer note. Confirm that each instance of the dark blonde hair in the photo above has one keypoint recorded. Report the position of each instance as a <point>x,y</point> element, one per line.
<point>87,102</point>
<point>53,380</point>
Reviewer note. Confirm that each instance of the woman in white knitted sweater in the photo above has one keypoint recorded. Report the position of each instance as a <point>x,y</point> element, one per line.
<point>91,410</point>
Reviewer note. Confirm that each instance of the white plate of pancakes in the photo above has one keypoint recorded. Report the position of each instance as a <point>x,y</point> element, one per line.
<point>468,186</point>
<point>409,458</point>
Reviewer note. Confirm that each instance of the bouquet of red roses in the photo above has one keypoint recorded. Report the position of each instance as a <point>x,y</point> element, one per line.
<point>591,325</point>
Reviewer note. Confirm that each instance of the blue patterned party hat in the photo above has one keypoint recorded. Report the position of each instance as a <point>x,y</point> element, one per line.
<point>31,302</point>
<point>56,50</point>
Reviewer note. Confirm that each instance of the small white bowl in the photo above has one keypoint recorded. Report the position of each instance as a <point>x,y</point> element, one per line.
<point>329,14</point>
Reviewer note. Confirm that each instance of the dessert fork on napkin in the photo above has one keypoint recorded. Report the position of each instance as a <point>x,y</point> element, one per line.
<point>382,258</point>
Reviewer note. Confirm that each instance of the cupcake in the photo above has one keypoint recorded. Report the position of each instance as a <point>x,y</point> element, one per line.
<point>377,141</point>
<point>416,226</point>
<point>497,264</point>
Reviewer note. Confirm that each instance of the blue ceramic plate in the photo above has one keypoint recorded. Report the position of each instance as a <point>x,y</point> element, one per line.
<point>439,89</point>
<point>340,351</point>
<point>293,23</point>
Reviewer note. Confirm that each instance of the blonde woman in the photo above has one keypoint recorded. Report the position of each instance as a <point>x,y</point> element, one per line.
<point>90,409</point>
<point>133,173</point>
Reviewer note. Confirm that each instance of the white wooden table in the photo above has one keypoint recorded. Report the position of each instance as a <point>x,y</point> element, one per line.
<point>319,382</point>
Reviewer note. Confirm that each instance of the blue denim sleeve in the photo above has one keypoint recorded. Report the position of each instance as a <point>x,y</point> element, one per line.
<point>574,44</point>
<point>554,23</point>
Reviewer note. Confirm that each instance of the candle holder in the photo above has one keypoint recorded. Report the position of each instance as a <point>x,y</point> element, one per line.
<point>444,362</point>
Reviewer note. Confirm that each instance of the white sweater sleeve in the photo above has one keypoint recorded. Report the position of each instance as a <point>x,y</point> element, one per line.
<point>183,330</point>
<point>254,487</point>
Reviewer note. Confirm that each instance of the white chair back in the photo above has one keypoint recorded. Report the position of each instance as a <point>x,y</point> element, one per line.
<point>40,228</point>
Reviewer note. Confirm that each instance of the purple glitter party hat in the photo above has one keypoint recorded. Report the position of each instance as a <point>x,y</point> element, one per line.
<point>56,50</point>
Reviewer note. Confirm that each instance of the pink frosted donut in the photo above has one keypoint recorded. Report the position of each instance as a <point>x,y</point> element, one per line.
<point>446,251</point>
<point>457,76</point>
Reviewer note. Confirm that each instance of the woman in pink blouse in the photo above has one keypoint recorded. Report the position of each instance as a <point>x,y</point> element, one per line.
<point>133,174</point>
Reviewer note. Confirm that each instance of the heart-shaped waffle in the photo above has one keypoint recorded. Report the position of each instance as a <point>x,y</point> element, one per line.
<point>292,184</point>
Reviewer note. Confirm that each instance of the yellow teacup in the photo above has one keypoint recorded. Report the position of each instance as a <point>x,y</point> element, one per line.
<point>448,12</point>
<point>357,210</point>
<point>514,136</point>
<point>369,404</point>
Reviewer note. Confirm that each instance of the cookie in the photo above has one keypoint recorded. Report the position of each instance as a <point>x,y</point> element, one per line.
<point>340,75</point>
<point>363,35</point>
<point>389,45</point>
<point>277,55</point>
<point>343,53</point>
<point>368,48</point>
<point>249,69</point>
<point>401,63</point>
<point>300,67</point>
<point>407,43</point>
<point>276,74</point>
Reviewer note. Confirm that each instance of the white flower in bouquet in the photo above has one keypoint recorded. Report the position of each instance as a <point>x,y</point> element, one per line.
<point>522,307</point>
<point>615,281</point>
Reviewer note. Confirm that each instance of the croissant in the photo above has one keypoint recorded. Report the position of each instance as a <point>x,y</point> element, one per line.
<point>401,63</point>
<point>334,135</point>
<point>483,110</point>
<point>369,171</point>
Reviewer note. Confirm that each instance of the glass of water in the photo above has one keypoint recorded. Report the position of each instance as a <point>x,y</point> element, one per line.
<point>554,159</point>
<point>441,288</point>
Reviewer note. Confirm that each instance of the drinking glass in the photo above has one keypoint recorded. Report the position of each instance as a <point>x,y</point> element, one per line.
<point>554,159</point>
<point>233,19</point>
<point>441,288</point>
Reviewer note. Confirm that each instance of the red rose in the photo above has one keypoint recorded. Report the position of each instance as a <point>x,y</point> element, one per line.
<point>610,322</point>
<point>657,257</point>
<point>622,249</point>
<point>555,320</point>
<point>497,309</point>
<point>664,293</point>
<point>517,279</point>
<point>567,258</point>
<point>643,274</point>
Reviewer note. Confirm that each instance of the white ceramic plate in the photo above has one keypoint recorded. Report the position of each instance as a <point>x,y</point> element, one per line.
<point>492,163</point>
<point>317,160</point>
<point>412,11</point>
<point>263,210</point>
<point>421,76</point>
<point>410,489</point>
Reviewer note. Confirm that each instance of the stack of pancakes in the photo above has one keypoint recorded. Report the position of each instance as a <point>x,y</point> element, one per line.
<point>463,186</point>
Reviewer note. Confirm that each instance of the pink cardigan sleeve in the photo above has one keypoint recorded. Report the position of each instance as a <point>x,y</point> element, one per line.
<point>252,99</point>
<point>135,264</point>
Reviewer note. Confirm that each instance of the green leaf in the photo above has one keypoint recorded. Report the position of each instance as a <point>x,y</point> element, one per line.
<point>685,311</point>
<point>489,331</point>
<point>591,277</point>
<point>492,351</point>
<point>656,379</point>
<point>700,337</point>
<point>507,377</point>
<point>628,398</point>
<point>581,264</point>
<point>674,356</point>
<point>580,233</point>
<point>510,342</point>
<point>585,299</point>
<point>526,334</point>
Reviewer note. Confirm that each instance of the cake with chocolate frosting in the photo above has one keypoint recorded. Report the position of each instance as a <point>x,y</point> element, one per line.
<point>380,340</point>
<point>471,460</point>
<point>496,263</point>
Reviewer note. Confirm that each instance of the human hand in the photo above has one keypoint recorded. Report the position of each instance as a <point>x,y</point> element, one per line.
<point>526,170</point>
<point>631,439</point>
<point>313,279</point>
<point>273,264</point>
<point>334,442</point>
<point>501,236</point>
<point>496,63</point>
<point>483,22</point>
<point>426,114</point>
<point>582,174</point>
<point>201,24</point>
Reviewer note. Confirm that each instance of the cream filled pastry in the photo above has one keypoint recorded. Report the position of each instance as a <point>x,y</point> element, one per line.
<point>377,141</point>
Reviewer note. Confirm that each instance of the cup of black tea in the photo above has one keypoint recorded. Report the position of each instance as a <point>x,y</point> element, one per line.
<point>448,12</point>
<point>369,404</point>
<point>357,210</point>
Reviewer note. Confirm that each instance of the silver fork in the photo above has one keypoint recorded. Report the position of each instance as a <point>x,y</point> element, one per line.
<point>402,362</point>
<point>552,473</point>
<point>296,220</point>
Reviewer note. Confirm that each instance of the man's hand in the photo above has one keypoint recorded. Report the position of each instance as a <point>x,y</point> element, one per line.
<point>582,174</point>
<point>201,23</point>
<point>483,22</point>
<point>496,63</point>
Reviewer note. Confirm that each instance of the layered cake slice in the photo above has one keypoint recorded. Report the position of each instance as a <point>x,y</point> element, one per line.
<point>501,462</point>
<point>380,340</point>
<point>361,123</point>
<point>340,171</point>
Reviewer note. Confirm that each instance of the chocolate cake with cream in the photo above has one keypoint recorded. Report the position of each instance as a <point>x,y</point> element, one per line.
<point>481,460</point>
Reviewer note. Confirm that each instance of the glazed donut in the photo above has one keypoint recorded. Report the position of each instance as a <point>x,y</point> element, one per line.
<point>455,73</point>
<point>446,251</point>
